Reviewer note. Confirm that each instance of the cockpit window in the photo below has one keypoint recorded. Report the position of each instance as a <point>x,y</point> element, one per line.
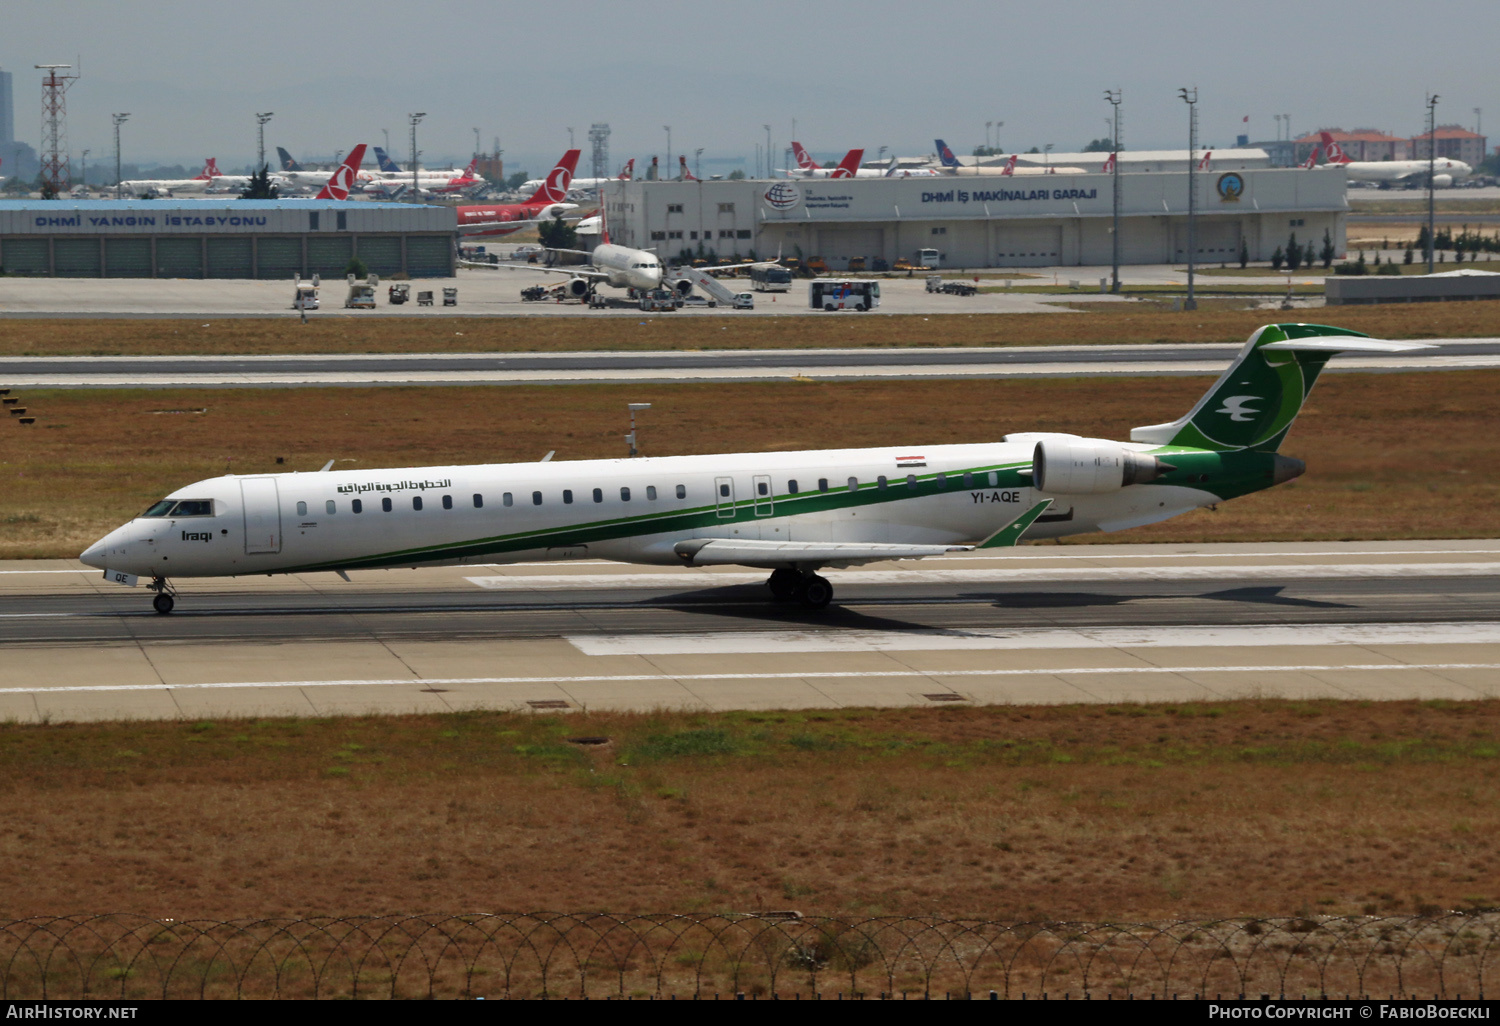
<point>181,508</point>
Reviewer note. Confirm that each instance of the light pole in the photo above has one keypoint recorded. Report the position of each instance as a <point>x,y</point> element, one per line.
<point>630,438</point>
<point>987,126</point>
<point>86,168</point>
<point>1478,121</point>
<point>1431,170</point>
<point>476,142</point>
<point>414,120</point>
<point>260,138</point>
<point>770,173</point>
<point>1190,97</point>
<point>570,138</point>
<point>698,163</point>
<point>119,120</point>
<point>1047,156</point>
<point>387,133</point>
<point>1113,98</point>
<point>668,130</point>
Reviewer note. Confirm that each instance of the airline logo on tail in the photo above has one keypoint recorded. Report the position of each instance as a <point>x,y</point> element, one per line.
<point>945,154</point>
<point>1203,164</point>
<point>342,179</point>
<point>1335,152</point>
<point>1109,164</point>
<point>209,172</point>
<point>1312,158</point>
<point>686,175</point>
<point>471,170</point>
<point>554,189</point>
<point>804,159</point>
<point>1010,166</point>
<point>627,173</point>
<point>385,163</point>
<point>849,165</point>
<point>287,163</point>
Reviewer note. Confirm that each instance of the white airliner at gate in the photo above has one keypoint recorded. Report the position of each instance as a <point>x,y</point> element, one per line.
<point>262,506</point>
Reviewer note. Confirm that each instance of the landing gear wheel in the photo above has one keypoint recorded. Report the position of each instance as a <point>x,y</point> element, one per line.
<point>163,603</point>
<point>784,584</point>
<point>816,592</point>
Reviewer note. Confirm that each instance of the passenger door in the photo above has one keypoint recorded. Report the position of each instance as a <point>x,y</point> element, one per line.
<point>261,503</point>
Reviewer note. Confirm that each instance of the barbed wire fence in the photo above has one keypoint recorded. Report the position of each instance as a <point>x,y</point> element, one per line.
<point>557,955</point>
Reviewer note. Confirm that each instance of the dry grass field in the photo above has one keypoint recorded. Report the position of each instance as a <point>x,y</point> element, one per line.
<point>1389,455</point>
<point>1130,812</point>
<point>1144,324</point>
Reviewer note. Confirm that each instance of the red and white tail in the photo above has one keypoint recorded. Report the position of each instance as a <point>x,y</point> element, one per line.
<point>1109,164</point>
<point>627,173</point>
<point>685,174</point>
<point>1312,158</point>
<point>1010,166</point>
<point>554,188</point>
<point>1203,164</point>
<point>342,180</point>
<point>804,159</point>
<point>848,165</point>
<point>1335,152</point>
<point>472,169</point>
<point>210,170</point>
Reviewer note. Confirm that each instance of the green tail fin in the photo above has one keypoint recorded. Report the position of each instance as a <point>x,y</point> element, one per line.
<point>1254,402</point>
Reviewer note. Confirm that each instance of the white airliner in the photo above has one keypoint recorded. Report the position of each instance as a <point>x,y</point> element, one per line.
<point>1445,171</point>
<point>788,512</point>
<point>584,184</point>
<point>162,186</point>
<point>318,179</point>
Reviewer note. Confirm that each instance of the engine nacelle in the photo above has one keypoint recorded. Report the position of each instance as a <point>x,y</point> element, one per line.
<point>683,287</point>
<point>1442,181</point>
<point>1086,466</point>
<point>578,288</point>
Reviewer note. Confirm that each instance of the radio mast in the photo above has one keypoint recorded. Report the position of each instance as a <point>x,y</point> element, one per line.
<point>56,171</point>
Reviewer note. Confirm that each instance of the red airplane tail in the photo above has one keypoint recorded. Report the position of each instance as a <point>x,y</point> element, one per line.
<point>554,188</point>
<point>472,169</point>
<point>627,173</point>
<point>804,159</point>
<point>686,175</point>
<point>342,180</point>
<point>1010,166</point>
<point>1203,164</point>
<point>1109,165</point>
<point>1312,158</point>
<point>848,165</point>
<point>210,170</point>
<point>1335,152</point>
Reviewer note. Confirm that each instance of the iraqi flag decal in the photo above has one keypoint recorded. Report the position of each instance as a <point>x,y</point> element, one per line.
<point>911,461</point>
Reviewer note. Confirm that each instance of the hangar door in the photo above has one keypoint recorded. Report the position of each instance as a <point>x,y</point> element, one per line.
<point>1218,241</point>
<point>1028,246</point>
<point>840,245</point>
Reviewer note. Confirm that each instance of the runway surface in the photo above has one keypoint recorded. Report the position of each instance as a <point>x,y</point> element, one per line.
<point>1046,624</point>
<point>669,366</point>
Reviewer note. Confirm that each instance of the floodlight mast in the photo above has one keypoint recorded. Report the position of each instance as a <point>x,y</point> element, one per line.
<point>119,120</point>
<point>1112,96</point>
<point>1190,97</point>
<point>260,139</point>
<point>630,438</point>
<point>1431,171</point>
<point>414,120</point>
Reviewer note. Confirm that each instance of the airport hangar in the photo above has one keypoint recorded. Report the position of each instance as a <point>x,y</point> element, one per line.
<point>165,238</point>
<point>984,220</point>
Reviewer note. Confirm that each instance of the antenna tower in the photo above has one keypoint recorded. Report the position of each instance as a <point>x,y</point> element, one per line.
<point>599,136</point>
<point>56,171</point>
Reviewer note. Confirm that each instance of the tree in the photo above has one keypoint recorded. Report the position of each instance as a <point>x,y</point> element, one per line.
<point>356,267</point>
<point>517,180</point>
<point>260,187</point>
<point>737,175</point>
<point>557,234</point>
<point>45,186</point>
<point>1307,255</point>
<point>1104,145</point>
<point>1277,259</point>
<point>1244,255</point>
<point>1327,252</point>
<point>987,151</point>
<point>1408,258</point>
<point>1034,150</point>
<point>1293,254</point>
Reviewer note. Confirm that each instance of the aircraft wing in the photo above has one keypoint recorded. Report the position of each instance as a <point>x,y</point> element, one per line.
<point>484,226</point>
<point>571,272</point>
<point>773,554</point>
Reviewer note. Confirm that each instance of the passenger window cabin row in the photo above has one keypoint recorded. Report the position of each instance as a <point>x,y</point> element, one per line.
<point>762,489</point>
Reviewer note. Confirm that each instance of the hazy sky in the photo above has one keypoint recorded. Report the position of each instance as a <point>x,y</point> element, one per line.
<point>868,73</point>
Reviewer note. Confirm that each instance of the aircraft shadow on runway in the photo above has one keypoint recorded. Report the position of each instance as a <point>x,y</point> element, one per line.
<point>1269,595</point>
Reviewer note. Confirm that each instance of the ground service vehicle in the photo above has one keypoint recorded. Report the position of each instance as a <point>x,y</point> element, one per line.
<point>844,294</point>
<point>770,278</point>
<point>399,293</point>
<point>361,293</point>
<point>935,283</point>
<point>929,258</point>
<point>305,294</point>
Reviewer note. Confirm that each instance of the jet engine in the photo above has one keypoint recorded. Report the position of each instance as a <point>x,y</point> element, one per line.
<point>1442,181</point>
<point>683,287</point>
<point>1087,466</point>
<point>578,288</point>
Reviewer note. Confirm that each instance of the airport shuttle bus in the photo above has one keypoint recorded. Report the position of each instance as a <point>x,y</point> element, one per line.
<point>844,294</point>
<point>770,278</point>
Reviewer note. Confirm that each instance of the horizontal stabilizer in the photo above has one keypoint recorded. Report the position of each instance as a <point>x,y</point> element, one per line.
<point>1344,345</point>
<point>773,554</point>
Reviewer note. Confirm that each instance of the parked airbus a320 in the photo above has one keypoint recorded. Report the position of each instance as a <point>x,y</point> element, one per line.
<point>792,513</point>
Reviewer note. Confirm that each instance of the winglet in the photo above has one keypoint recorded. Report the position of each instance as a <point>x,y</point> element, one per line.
<point>1011,533</point>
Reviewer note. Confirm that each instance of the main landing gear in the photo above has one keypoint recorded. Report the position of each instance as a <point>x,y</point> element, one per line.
<point>164,601</point>
<point>810,589</point>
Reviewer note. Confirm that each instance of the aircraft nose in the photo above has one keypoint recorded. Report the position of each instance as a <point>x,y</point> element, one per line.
<point>112,545</point>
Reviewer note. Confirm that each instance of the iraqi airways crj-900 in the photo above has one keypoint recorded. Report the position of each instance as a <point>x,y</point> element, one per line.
<point>792,513</point>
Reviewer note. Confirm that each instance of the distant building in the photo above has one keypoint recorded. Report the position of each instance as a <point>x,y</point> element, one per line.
<point>1360,144</point>
<point>1454,142</point>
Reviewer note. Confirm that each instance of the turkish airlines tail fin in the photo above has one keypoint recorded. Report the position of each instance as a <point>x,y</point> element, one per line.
<point>287,163</point>
<point>848,165</point>
<point>384,162</point>
<point>472,169</point>
<point>804,159</point>
<point>554,188</point>
<point>684,174</point>
<point>627,173</point>
<point>210,171</point>
<point>1109,164</point>
<point>1203,164</point>
<point>342,179</point>
<point>1010,166</point>
<point>946,155</point>
<point>1334,150</point>
<point>1312,158</point>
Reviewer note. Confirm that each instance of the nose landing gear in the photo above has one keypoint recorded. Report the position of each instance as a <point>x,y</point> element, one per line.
<point>164,600</point>
<point>810,589</point>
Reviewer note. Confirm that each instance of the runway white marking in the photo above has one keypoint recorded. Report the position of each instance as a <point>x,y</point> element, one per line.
<point>767,642</point>
<point>815,675</point>
<point>1228,574</point>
